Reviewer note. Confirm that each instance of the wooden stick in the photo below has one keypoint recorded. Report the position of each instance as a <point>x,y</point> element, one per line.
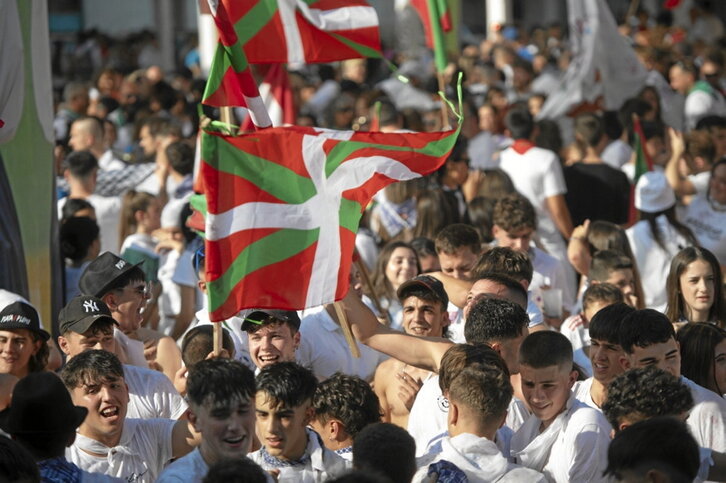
<point>225,114</point>
<point>371,289</point>
<point>444,113</point>
<point>345,325</point>
<point>217,338</point>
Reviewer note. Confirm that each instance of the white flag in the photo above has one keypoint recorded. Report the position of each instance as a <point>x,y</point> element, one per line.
<point>602,64</point>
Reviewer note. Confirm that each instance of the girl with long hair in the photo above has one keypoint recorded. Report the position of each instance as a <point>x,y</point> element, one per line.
<point>703,356</point>
<point>695,291</point>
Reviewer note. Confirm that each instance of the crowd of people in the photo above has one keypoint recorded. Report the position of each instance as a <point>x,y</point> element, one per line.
<point>536,310</point>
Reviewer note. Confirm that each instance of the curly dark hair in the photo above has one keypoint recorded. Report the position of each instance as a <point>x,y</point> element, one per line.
<point>643,393</point>
<point>349,399</point>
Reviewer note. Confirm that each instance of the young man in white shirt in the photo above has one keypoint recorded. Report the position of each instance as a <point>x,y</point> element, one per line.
<point>273,336</point>
<point>577,327</point>
<point>648,338</point>
<point>85,323</point>
<point>564,439</point>
<point>221,395</point>
<point>478,399</point>
<point>605,354</point>
<point>514,222</point>
<point>343,405</point>
<point>648,392</point>
<point>283,405</point>
<point>109,443</point>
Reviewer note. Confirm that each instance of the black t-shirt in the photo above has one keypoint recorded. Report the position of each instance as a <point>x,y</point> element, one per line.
<point>598,192</point>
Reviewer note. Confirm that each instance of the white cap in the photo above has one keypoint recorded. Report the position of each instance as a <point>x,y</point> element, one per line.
<point>653,193</point>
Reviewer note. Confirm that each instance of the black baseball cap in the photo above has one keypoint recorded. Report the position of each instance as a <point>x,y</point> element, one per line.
<point>258,317</point>
<point>20,315</point>
<point>102,272</point>
<point>81,312</point>
<point>427,282</point>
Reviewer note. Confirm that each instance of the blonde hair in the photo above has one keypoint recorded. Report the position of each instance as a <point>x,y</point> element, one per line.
<point>133,201</point>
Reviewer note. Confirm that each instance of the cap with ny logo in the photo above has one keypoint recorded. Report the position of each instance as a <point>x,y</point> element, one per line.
<point>81,313</point>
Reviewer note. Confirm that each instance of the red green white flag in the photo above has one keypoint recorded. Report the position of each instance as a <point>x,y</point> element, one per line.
<point>643,164</point>
<point>278,97</point>
<point>283,207</point>
<point>304,31</point>
<point>230,81</point>
<point>436,20</point>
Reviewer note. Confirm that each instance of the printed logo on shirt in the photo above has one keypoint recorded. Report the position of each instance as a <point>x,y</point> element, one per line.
<point>135,476</point>
<point>443,404</point>
<point>90,306</point>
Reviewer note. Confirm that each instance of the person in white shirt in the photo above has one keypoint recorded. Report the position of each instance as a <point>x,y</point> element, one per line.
<point>648,338</point>
<point>87,134</point>
<point>605,354</point>
<point>564,439</point>
<point>478,399</point>
<point>648,392</point>
<point>514,221</point>
<point>273,336</point>
<point>576,327</point>
<point>221,397</point>
<point>80,169</point>
<point>85,323</point>
<point>108,442</point>
<point>657,237</point>
<point>283,405</point>
<point>343,405</point>
<point>701,97</point>
<point>537,174</point>
<point>323,347</point>
<point>657,449</point>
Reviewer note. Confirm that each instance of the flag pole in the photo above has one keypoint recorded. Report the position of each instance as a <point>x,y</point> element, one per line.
<point>371,290</point>
<point>445,126</point>
<point>345,325</point>
<point>217,338</point>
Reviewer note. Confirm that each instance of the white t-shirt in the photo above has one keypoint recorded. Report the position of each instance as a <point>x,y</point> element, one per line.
<point>109,162</point>
<point>132,349</point>
<point>144,449</point>
<point>537,175</point>
<point>152,395</point>
<point>707,225</point>
<point>108,216</point>
<point>654,261</point>
<point>550,272</point>
<point>188,469</point>
<point>617,153</point>
<point>573,448</point>
<point>324,350</point>
<point>430,411</point>
<point>707,419</point>
<point>322,465</point>
<point>479,458</point>
<point>581,389</point>
<point>579,336</point>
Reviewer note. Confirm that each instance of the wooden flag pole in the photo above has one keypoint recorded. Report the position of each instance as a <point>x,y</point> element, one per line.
<point>345,325</point>
<point>217,338</point>
<point>371,290</point>
<point>445,126</point>
<point>225,114</point>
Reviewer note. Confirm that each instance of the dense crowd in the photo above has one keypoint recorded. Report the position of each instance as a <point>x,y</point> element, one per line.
<point>536,310</point>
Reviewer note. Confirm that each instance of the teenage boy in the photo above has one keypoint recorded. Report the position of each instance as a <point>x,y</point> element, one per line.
<point>221,396</point>
<point>605,354</point>
<point>648,339</point>
<point>283,405</point>
<point>649,392</point>
<point>273,336</point>
<point>478,398</point>
<point>499,324</point>
<point>458,247</point>
<point>344,405</point>
<point>564,439</point>
<point>85,323</point>
<point>23,342</point>
<point>576,327</point>
<point>107,442</point>
<point>658,449</point>
<point>123,289</point>
<point>424,303</point>
<point>514,222</point>
<point>611,266</point>
<point>43,419</point>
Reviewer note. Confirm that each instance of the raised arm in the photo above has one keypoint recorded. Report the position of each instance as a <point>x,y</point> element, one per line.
<point>422,352</point>
<point>456,289</point>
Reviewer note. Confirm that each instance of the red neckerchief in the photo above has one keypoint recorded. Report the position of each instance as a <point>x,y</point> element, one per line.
<point>521,146</point>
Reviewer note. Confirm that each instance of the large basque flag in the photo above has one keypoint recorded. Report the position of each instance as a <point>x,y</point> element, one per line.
<point>283,207</point>
<point>304,31</point>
